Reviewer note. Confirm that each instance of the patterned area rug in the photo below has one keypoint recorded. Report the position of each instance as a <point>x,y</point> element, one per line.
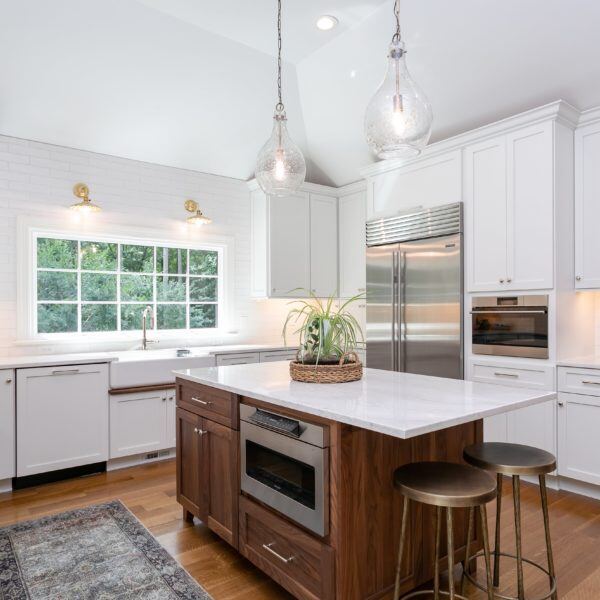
<point>97,553</point>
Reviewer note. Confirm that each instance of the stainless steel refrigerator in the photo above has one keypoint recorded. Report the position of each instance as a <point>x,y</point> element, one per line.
<point>415,292</point>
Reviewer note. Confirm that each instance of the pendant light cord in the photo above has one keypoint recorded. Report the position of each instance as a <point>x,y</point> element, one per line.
<point>396,36</point>
<point>279,106</point>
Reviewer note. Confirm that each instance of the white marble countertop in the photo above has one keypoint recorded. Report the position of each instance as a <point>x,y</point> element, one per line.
<point>583,362</point>
<point>81,358</point>
<point>398,404</point>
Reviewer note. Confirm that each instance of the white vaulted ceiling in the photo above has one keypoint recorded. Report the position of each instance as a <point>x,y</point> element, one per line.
<point>190,83</point>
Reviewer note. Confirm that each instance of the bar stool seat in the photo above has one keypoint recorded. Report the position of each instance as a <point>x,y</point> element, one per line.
<point>445,484</point>
<point>515,460</point>
<point>449,486</point>
<point>510,459</point>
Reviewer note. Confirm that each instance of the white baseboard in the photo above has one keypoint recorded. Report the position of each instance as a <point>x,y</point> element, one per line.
<point>580,487</point>
<point>5,485</point>
<point>139,459</point>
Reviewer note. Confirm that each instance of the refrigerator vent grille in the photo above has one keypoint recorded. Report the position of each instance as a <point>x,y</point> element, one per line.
<point>433,222</point>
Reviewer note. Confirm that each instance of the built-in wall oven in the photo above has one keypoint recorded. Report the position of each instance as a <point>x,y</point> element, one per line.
<point>510,326</point>
<point>285,464</point>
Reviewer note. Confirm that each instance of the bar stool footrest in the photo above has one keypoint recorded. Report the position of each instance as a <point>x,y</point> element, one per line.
<point>431,593</point>
<point>482,587</point>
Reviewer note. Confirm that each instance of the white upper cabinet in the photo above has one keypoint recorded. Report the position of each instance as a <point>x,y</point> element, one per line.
<point>422,183</point>
<point>509,193</point>
<point>294,244</point>
<point>324,245</point>
<point>485,194</point>
<point>289,245</point>
<point>7,424</point>
<point>530,208</point>
<point>587,206</point>
<point>353,216</point>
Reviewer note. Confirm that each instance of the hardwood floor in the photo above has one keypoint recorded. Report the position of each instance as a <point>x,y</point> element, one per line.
<point>149,492</point>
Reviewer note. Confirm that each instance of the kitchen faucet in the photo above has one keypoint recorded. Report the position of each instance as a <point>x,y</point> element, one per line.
<point>145,341</point>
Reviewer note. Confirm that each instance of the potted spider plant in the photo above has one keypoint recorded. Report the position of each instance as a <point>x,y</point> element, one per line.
<point>329,336</point>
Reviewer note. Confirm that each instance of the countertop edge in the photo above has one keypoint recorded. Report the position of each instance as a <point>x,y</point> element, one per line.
<point>394,432</point>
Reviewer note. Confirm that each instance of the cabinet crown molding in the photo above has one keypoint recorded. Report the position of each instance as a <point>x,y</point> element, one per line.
<point>558,110</point>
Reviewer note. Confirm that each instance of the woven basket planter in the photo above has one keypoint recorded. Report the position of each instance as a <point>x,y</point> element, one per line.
<point>342,373</point>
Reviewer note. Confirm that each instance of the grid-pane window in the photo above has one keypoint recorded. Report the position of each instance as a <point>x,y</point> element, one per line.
<point>87,286</point>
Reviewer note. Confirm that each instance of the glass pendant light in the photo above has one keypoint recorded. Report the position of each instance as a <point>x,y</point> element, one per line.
<point>280,167</point>
<point>398,118</point>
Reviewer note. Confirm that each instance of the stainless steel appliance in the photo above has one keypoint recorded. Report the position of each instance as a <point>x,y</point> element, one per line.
<point>415,291</point>
<point>510,326</point>
<point>284,464</point>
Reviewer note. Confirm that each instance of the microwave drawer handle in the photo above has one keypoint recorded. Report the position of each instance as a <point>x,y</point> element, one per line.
<point>499,374</point>
<point>509,312</point>
<point>268,548</point>
<point>203,402</point>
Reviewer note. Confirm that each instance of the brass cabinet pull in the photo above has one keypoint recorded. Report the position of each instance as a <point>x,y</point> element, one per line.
<point>268,548</point>
<point>199,431</point>
<point>561,403</point>
<point>203,402</point>
<point>65,372</point>
<point>498,374</point>
<point>591,382</point>
<point>9,380</point>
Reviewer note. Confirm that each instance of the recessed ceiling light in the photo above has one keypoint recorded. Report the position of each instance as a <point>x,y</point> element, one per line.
<point>326,22</point>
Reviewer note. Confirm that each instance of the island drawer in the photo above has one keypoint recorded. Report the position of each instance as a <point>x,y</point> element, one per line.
<point>579,381</point>
<point>214,404</point>
<point>297,561</point>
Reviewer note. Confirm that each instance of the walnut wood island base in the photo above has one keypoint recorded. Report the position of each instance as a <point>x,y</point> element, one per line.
<point>356,558</point>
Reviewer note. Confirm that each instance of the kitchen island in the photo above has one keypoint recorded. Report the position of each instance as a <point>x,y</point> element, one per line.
<point>358,434</point>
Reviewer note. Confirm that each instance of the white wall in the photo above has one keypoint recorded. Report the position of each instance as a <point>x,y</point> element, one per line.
<point>36,179</point>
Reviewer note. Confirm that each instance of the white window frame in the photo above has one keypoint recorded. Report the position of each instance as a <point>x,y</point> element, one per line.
<point>29,230</point>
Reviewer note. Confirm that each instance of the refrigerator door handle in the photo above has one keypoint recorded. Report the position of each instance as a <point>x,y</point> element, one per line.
<point>395,302</point>
<point>402,311</point>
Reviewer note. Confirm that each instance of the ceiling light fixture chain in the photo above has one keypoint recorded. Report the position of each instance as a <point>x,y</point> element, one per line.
<point>279,106</point>
<point>280,165</point>
<point>396,37</point>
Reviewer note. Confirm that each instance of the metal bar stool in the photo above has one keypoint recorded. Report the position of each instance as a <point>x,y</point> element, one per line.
<point>449,486</point>
<point>515,460</point>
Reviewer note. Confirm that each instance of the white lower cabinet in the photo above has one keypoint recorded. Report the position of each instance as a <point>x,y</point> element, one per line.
<point>62,417</point>
<point>578,427</point>
<point>533,425</point>
<point>7,424</point>
<point>242,358</point>
<point>277,355</point>
<point>141,422</point>
<point>579,424</point>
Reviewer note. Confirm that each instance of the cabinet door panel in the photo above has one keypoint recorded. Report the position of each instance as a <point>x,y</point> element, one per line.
<point>352,255</point>
<point>137,423</point>
<point>220,448</point>
<point>323,245</point>
<point>485,193</point>
<point>191,490</point>
<point>289,245</point>
<point>587,206</point>
<point>424,183</point>
<point>578,426</point>
<point>530,206</point>
<point>62,417</point>
<point>7,424</point>
<point>534,426</point>
<point>495,429</point>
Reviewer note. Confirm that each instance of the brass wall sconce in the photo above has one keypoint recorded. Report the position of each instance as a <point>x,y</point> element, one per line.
<point>80,190</point>
<point>197,217</point>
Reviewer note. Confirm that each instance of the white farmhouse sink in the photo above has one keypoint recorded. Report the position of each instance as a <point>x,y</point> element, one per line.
<point>151,367</point>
